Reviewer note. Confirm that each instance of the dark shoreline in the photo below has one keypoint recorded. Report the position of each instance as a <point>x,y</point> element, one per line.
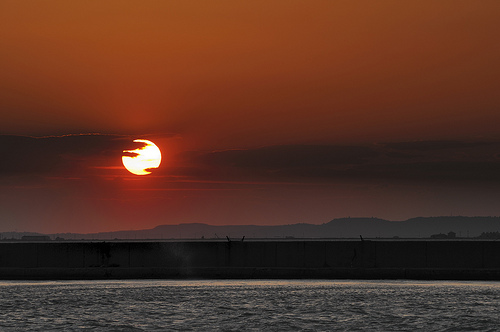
<point>247,273</point>
<point>380,259</point>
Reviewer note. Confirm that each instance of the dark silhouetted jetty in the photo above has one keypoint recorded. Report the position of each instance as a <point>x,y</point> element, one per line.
<point>288,259</point>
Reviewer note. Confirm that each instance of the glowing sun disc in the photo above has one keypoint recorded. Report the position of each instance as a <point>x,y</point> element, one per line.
<point>146,157</point>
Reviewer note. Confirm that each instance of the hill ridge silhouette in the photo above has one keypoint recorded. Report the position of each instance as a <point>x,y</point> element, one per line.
<point>346,227</point>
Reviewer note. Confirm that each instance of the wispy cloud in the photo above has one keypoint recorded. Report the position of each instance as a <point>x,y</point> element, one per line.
<point>75,156</point>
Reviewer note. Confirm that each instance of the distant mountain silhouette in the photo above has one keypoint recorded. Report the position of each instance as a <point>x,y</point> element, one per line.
<point>422,227</point>
<point>414,227</point>
<point>17,235</point>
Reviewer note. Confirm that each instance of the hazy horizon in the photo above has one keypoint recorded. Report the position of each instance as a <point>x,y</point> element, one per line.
<point>451,227</point>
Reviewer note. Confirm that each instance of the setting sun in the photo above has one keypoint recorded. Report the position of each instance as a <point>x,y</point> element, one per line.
<point>143,159</point>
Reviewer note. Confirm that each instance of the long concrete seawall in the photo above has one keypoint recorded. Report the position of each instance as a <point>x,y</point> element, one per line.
<point>474,260</point>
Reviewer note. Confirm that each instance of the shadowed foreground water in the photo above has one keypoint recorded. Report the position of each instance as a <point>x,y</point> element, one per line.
<point>151,305</point>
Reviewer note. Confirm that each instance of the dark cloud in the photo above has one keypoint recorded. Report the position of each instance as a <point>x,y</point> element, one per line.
<point>434,145</point>
<point>44,155</point>
<point>404,161</point>
<point>293,156</point>
<point>412,161</point>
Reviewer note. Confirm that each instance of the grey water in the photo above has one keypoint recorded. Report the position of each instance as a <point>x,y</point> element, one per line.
<point>249,305</point>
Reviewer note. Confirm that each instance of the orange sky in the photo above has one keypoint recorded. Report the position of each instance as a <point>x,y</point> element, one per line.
<point>198,77</point>
<point>231,74</point>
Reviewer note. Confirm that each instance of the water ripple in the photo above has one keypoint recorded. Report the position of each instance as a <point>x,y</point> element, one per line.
<point>276,305</point>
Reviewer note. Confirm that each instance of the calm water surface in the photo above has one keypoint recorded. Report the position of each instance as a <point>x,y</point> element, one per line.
<point>270,305</point>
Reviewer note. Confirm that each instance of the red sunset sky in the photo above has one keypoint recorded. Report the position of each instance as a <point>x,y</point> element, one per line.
<point>267,112</point>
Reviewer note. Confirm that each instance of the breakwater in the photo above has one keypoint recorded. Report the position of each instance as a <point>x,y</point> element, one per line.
<point>329,259</point>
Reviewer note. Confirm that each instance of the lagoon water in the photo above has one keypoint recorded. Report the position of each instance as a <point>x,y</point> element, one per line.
<point>248,305</point>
